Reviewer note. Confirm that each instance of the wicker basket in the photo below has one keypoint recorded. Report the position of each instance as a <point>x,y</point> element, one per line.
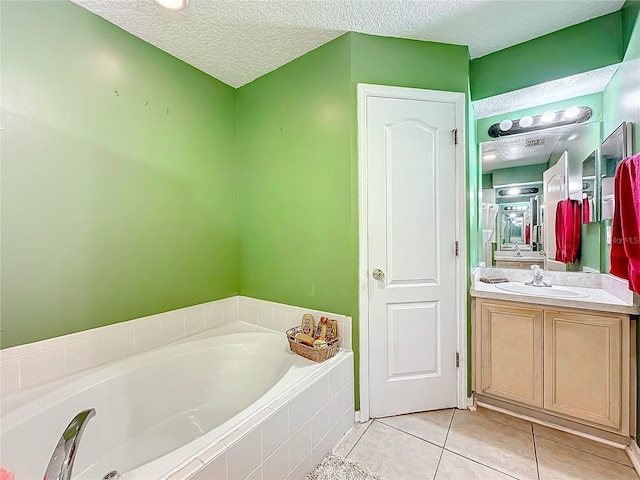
<point>312,353</point>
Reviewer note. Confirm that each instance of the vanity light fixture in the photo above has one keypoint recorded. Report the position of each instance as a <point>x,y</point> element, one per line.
<point>570,116</point>
<point>174,5</point>
<point>514,191</point>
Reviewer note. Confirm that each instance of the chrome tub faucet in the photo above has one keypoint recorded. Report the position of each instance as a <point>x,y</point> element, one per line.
<point>64,454</point>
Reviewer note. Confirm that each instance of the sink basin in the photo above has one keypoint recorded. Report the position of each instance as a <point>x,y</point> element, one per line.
<point>559,292</point>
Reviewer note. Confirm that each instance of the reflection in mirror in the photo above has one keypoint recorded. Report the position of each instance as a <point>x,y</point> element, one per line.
<point>512,175</point>
<point>515,226</point>
<point>616,147</point>
<point>589,189</point>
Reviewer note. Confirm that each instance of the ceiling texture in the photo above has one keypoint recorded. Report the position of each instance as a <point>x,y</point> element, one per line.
<point>237,41</point>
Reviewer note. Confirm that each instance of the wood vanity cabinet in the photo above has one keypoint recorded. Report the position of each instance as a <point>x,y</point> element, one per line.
<point>569,363</point>
<point>520,265</point>
<point>511,352</point>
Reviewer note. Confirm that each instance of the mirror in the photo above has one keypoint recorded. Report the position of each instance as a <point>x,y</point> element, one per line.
<point>589,189</point>
<point>616,147</point>
<point>512,170</point>
<point>515,226</point>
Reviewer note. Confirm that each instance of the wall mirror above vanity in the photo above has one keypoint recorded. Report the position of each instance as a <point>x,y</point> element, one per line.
<point>513,190</point>
<point>590,188</point>
<point>615,147</point>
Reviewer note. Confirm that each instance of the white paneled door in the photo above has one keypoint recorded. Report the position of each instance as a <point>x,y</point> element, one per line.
<point>554,189</point>
<point>411,257</point>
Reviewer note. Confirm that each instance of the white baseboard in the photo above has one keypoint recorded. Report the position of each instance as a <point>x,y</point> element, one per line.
<point>471,403</point>
<point>357,416</point>
<point>634,454</point>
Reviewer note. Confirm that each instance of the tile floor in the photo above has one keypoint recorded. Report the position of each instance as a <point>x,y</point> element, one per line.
<point>487,445</point>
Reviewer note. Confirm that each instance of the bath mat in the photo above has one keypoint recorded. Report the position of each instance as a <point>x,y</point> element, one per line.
<point>336,467</point>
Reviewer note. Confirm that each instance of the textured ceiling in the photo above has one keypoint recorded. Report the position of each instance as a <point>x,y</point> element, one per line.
<point>237,41</point>
<point>512,151</point>
<point>586,83</point>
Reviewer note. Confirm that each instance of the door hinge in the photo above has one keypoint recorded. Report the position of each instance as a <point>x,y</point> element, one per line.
<point>457,248</point>
<point>455,136</point>
<point>457,360</point>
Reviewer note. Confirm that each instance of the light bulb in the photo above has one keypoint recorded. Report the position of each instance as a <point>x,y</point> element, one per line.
<point>548,117</point>
<point>174,5</point>
<point>505,125</point>
<point>526,121</point>
<point>571,112</point>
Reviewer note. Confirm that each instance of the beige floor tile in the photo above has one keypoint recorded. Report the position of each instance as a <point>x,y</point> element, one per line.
<point>493,444</point>
<point>455,467</point>
<point>430,426</point>
<point>559,462</point>
<point>504,419</point>
<point>351,438</point>
<point>395,455</point>
<point>581,443</point>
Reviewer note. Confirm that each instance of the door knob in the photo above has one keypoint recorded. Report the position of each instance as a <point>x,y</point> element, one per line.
<point>378,274</point>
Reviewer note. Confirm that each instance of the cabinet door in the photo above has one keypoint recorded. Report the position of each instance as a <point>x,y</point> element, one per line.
<point>511,352</point>
<point>583,367</point>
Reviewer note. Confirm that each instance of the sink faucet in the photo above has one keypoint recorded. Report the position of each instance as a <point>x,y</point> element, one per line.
<point>538,277</point>
<point>518,252</point>
<point>64,454</point>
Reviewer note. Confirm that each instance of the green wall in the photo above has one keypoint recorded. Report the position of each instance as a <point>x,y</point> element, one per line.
<point>527,173</point>
<point>295,187</point>
<point>586,46</point>
<point>118,176</point>
<point>297,157</point>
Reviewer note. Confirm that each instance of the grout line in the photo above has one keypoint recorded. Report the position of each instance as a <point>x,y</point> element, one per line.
<point>359,438</point>
<point>585,451</point>
<point>480,463</point>
<point>453,414</point>
<point>407,433</point>
<point>449,429</point>
<point>535,453</point>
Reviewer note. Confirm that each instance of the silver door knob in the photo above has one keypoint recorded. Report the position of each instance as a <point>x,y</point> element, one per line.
<point>378,274</point>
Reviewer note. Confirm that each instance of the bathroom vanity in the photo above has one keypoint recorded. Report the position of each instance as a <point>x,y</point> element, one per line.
<point>562,356</point>
<point>526,258</point>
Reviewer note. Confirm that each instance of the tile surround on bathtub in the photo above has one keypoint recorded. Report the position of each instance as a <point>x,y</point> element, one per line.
<point>33,364</point>
<point>26,366</point>
<point>281,317</point>
<point>287,439</point>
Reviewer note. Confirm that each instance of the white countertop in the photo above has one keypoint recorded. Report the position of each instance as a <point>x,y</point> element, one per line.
<point>523,258</point>
<point>596,299</point>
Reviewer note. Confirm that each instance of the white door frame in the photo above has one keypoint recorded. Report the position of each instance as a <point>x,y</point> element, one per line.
<point>458,100</point>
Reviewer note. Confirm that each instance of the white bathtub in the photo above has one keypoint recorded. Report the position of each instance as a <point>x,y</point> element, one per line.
<point>169,408</point>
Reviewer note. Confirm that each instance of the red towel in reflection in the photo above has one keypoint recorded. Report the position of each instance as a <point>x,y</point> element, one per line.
<point>586,210</point>
<point>625,238</point>
<point>568,230</point>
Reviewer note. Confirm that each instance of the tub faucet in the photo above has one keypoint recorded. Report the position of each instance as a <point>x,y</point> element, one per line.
<point>61,462</point>
<point>518,252</point>
<point>538,277</point>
